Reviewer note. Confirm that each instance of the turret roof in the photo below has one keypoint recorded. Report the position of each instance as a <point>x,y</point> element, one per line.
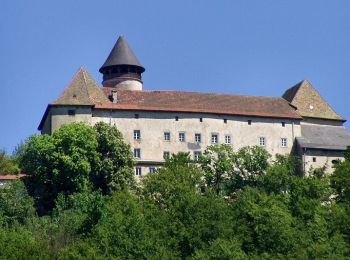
<point>121,54</point>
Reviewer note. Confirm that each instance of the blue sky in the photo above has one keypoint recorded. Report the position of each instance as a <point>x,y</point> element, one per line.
<point>235,46</point>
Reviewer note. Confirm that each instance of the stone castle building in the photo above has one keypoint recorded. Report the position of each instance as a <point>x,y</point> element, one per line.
<point>159,123</point>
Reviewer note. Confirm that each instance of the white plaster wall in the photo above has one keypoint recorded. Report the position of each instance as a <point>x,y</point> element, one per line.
<point>59,115</point>
<point>323,158</point>
<point>153,125</point>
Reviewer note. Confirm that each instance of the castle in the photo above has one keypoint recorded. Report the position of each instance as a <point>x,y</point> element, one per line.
<point>159,123</point>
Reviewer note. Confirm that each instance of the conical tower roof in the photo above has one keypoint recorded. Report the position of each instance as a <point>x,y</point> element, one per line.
<point>121,54</point>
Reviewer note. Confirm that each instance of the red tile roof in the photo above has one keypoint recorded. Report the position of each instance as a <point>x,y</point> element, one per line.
<point>12,176</point>
<point>178,101</point>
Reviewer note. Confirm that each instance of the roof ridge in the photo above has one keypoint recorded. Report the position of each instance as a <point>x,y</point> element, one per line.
<point>85,83</point>
<point>205,93</point>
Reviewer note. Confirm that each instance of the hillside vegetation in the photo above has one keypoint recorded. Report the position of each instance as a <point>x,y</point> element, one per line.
<point>81,201</point>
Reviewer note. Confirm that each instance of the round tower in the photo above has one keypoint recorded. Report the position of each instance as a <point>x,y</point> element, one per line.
<point>122,69</point>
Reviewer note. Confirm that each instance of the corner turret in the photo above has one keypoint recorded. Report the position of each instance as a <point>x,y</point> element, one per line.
<point>122,69</point>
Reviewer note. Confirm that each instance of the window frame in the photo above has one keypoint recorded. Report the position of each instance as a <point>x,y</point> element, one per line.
<point>228,137</point>
<point>71,112</point>
<point>167,134</point>
<point>217,138</point>
<point>138,171</point>
<point>195,138</point>
<point>137,135</point>
<point>184,137</point>
<point>166,155</point>
<point>262,141</point>
<point>284,142</point>
<point>197,155</point>
<point>137,151</point>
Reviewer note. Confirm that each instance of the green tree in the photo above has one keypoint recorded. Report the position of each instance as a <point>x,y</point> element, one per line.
<point>75,158</point>
<point>8,164</point>
<point>184,218</point>
<point>217,164</point>
<point>16,206</point>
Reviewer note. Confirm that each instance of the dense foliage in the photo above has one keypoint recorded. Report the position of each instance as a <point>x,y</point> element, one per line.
<point>229,205</point>
<point>8,164</point>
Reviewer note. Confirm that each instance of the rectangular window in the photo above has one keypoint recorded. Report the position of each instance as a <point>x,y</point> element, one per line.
<point>262,141</point>
<point>182,137</point>
<point>166,155</point>
<point>314,159</point>
<point>201,120</point>
<point>166,136</point>
<point>137,153</point>
<point>249,122</point>
<point>225,121</point>
<point>137,134</point>
<point>152,169</point>
<point>176,118</point>
<point>283,124</point>
<point>227,139</point>
<point>197,155</point>
<point>197,138</point>
<point>71,112</point>
<point>214,138</point>
<point>138,171</point>
<point>284,142</point>
<point>136,116</point>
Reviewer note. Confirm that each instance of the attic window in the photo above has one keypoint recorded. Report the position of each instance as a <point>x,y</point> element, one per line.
<point>136,116</point>
<point>176,118</point>
<point>249,122</point>
<point>283,124</point>
<point>314,159</point>
<point>200,119</point>
<point>71,112</point>
<point>225,120</point>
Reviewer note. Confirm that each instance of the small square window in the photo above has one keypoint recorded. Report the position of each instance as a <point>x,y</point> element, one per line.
<point>197,138</point>
<point>214,138</point>
<point>262,141</point>
<point>249,122</point>
<point>166,136</point>
<point>182,137</point>
<point>71,112</point>
<point>166,155</point>
<point>197,155</point>
<point>137,134</point>
<point>284,142</point>
<point>225,120</point>
<point>314,159</point>
<point>283,124</point>
<point>137,153</point>
<point>152,169</point>
<point>176,118</point>
<point>138,171</point>
<point>201,120</point>
<point>136,116</point>
<point>227,139</point>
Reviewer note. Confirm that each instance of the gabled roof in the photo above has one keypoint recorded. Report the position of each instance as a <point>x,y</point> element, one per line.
<point>309,102</point>
<point>192,102</point>
<point>324,137</point>
<point>121,54</point>
<point>82,90</point>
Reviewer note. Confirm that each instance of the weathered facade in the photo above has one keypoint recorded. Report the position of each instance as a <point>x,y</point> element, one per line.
<point>159,123</point>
